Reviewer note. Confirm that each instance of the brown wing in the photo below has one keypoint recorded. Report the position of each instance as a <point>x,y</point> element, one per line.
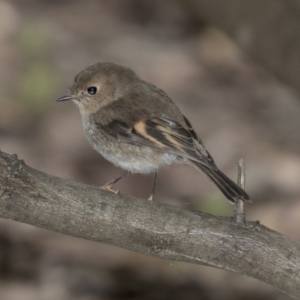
<point>159,133</point>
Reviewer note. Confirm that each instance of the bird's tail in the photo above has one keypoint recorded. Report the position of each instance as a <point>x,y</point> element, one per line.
<point>229,188</point>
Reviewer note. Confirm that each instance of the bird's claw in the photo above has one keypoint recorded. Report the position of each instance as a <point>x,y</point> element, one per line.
<point>150,198</point>
<point>108,187</point>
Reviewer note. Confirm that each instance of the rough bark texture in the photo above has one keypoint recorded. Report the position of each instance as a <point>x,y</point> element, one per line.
<point>151,228</point>
<point>268,30</point>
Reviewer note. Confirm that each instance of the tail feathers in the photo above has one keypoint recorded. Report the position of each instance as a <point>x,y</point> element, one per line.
<point>229,188</point>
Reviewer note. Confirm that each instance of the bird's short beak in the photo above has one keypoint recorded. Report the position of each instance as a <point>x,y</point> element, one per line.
<point>64,98</point>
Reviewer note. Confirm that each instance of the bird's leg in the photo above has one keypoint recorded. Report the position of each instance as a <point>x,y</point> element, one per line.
<point>153,187</point>
<point>108,186</point>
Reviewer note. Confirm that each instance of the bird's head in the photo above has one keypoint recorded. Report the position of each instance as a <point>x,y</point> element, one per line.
<point>99,85</point>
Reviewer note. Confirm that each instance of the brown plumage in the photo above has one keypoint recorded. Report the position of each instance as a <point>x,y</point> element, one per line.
<point>137,127</point>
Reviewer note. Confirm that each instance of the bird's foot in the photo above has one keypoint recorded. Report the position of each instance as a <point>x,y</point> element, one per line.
<point>150,198</point>
<point>108,187</point>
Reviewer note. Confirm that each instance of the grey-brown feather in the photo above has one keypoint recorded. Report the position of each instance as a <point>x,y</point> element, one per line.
<point>137,127</point>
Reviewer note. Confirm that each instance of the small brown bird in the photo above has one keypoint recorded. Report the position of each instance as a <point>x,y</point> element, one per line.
<point>137,127</point>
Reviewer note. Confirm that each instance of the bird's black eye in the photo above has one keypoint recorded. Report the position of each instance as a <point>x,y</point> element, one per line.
<point>92,90</point>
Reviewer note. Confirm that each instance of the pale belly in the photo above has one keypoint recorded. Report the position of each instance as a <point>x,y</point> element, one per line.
<point>136,159</point>
<point>129,157</point>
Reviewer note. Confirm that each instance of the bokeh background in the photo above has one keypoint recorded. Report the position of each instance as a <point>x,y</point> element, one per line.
<point>238,108</point>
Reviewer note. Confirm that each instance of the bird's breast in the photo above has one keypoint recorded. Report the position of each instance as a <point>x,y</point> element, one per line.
<point>134,158</point>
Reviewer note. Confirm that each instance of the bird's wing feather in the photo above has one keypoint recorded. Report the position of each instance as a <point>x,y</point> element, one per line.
<point>162,134</point>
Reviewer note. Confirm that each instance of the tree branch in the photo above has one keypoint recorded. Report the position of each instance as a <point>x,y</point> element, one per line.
<point>150,228</point>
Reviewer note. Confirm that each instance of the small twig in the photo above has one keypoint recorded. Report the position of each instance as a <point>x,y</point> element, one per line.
<point>239,212</point>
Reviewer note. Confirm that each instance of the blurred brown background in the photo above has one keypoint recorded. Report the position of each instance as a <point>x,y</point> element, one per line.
<point>238,108</point>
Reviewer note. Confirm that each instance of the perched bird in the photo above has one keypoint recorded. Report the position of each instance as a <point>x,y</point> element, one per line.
<point>137,127</point>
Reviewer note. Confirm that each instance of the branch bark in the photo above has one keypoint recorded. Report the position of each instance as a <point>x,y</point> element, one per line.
<point>150,228</point>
